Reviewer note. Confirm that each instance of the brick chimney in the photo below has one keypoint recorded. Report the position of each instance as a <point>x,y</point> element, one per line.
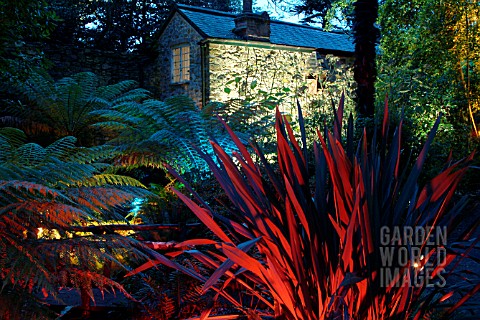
<point>247,6</point>
<point>252,26</point>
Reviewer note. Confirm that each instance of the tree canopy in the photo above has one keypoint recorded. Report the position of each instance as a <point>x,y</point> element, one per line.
<point>122,25</point>
<point>22,21</point>
<point>430,57</point>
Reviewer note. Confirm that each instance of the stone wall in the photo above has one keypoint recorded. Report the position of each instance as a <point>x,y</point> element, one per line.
<point>176,33</point>
<point>279,75</point>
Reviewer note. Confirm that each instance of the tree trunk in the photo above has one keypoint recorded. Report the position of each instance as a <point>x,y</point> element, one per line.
<point>366,36</point>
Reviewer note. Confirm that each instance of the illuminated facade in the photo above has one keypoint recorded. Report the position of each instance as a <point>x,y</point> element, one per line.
<point>216,56</point>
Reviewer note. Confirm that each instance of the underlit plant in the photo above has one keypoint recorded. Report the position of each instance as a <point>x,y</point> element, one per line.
<point>152,132</point>
<point>307,242</point>
<point>47,195</point>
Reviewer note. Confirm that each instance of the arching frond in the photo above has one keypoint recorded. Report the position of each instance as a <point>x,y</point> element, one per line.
<point>67,106</point>
<point>30,154</point>
<point>92,154</point>
<point>111,179</point>
<point>137,94</point>
<point>155,132</point>
<point>110,92</point>
<point>44,192</point>
<point>14,190</point>
<point>15,137</point>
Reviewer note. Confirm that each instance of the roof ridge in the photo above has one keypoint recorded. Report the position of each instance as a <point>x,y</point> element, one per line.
<point>233,15</point>
<point>217,24</point>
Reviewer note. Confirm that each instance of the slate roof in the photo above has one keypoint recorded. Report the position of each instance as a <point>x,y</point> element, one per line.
<point>219,25</point>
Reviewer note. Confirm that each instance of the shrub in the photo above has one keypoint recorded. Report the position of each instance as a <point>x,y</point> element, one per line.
<point>306,242</point>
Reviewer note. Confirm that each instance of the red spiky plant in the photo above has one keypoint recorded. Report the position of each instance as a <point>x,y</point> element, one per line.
<point>305,240</point>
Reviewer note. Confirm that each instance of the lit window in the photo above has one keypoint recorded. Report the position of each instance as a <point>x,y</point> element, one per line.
<point>181,64</point>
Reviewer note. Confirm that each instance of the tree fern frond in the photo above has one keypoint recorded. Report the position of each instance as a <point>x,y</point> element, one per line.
<point>180,104</point>
<point>191,124</point>
<point>96,103</point>
<point>9,171</point>
<point>105,198</point>
<point>29,264</point>
<point>127,140</point>
<point>15,190</point>
<point>15,137</point>
<point>110,179</point>
<point>104,248</point>
<point>5,149</point>
<point>38,87</point>
<point>132,160</point>
<point>165,136</point>
<point>168,132</point>
<point>26,124</point>
<point>30,154</point>
<point>52,189</point>
<point>176,151</point>
<point>112,126</point>
<point>66,106</point>
<point>116,116</point>
<point>138,94</point>
<point>61,147</point>
<point>148,111</point>
<point>92,154</point>
<point>110,92</point>
<point>88,81</point>
<point>47,214</point>
<point>64,174</point>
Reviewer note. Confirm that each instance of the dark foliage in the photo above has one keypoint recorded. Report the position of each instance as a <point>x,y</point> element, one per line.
<point>119,25</point>
<point>366,36</point>
<point>320,241</point>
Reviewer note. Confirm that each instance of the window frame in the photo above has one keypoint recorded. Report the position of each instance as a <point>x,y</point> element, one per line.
<point>180,74</point>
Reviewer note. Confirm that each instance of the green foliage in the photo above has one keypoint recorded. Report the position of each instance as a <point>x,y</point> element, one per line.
<point>426,47</point>
<point>67,107</point>
<point>43,193</point>
<point>330,14</point>
<point>22,21</point>
<point>251,114</point>
<point>335,81</point>
<point>153,132</point>
<point>310,248</point>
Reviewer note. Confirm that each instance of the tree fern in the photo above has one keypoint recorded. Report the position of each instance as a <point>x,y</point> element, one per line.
<point>154,132</point>
<point>67,106</point>
<point>45,191</point>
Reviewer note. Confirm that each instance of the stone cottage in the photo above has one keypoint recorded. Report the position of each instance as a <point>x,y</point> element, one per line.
<point>216,56</point>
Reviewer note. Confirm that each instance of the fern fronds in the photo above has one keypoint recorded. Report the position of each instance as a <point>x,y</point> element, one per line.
<point>67,106</point>
<point>92,154</point>
<point>110,179</point>
<point>110,92</point>
<point>156,132</point>
<point>44,192</point>
<point>61,147</point>
<point>15,137</point>
<point>14,190</point>
<point>30,154</point>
